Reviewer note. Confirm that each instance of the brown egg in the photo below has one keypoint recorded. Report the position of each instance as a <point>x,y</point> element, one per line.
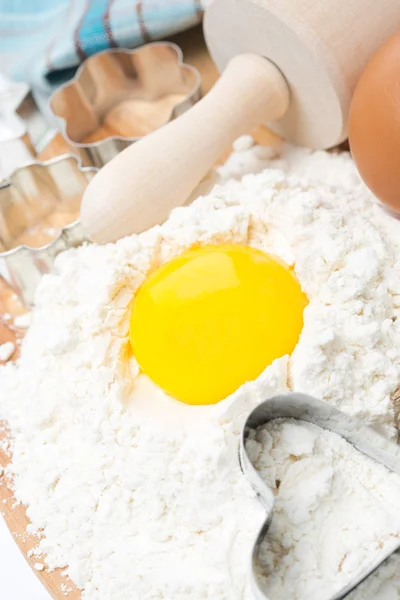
<point>374,124</point>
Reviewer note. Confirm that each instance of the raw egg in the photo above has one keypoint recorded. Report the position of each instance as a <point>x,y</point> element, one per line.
<point>213,318</point>
<point>374,124</point>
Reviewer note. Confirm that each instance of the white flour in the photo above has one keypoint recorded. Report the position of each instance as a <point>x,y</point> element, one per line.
<point>6,351</point>
<point>141,496</point>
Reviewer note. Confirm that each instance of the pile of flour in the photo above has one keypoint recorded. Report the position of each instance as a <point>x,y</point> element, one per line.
<point>333,510</point>
<point>141,497</point>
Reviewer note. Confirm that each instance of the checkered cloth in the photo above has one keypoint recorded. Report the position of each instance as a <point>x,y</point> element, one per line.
<point>43,41</point>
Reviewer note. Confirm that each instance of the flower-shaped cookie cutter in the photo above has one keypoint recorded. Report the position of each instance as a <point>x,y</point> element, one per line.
<point>118,96</point>
<point>39,218</point>
<point>306,408</point>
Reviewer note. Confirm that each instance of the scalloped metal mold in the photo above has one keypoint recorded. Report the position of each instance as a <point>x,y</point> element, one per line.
<point>119,96</point>
<point>39,218</point>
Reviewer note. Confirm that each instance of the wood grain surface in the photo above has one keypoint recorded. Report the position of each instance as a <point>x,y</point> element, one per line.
<point>195,53</point>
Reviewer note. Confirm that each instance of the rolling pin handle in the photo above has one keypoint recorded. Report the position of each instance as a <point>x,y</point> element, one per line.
<point>140,186</point>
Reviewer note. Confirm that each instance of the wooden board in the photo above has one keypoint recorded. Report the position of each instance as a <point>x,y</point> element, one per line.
<point>195,53</point>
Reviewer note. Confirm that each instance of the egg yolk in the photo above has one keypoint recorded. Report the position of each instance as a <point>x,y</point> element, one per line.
<point>213,318</point>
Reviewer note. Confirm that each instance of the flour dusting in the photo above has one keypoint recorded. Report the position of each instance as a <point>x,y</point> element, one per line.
<point>334,509</point>
<point>140,497</point>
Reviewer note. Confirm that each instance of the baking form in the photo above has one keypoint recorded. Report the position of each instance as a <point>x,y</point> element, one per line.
<point>119,96</point>
<point>307,408</point>
<point>39,217</point>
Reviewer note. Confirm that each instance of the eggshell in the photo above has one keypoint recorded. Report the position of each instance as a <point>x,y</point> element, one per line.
<point>374,124</point>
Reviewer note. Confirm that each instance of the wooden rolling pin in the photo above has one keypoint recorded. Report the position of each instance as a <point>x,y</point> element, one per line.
<point>290,64</point>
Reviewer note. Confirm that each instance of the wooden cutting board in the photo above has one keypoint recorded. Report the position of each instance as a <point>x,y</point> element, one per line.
<point>195,53</point>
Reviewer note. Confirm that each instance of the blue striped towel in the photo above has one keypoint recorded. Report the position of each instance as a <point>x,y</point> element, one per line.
<point>43,41</point>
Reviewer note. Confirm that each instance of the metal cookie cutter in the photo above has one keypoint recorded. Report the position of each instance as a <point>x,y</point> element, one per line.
<point>119,96</point>
<point>39,218</point>
<point>307,408</point>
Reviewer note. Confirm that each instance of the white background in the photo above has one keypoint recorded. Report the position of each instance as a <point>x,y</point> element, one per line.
<point>18,581</point>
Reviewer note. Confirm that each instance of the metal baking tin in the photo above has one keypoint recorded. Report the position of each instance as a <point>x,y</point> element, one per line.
<point>31,193</point>
<point>154,78</point>
<point>307,408</point>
